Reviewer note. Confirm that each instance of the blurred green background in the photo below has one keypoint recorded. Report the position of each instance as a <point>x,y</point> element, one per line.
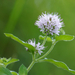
<point>18,17</point>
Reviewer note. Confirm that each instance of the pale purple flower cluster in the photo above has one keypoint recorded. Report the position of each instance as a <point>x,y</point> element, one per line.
<point>38,47</point>
<point>49,23</point>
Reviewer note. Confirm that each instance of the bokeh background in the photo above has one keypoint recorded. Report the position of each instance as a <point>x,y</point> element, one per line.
<point>18,17</point>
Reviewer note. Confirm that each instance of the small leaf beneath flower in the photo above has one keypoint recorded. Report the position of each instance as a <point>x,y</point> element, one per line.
<point>62,32</point>
<point>4,71</point>
<point>64,38</point>
<point>59,64</point>
<point>43,37</point>
<point>30,47</point>
<point>22,70</point>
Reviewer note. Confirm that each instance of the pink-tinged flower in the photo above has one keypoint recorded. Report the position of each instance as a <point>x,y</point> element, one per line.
<point>38,47</point>
<point>49,23</point>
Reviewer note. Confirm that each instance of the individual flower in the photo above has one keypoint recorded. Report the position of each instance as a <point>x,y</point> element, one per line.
<point>37,46</point>
<point>49,23</point>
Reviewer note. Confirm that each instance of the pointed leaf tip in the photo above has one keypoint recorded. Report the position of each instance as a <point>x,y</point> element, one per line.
<point>22,70</point>
<point>60,65</point>
<point>30,47</point>
<point>6,34</point>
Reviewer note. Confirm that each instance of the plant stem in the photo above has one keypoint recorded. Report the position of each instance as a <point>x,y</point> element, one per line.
<point>30,66</point>
<point>33,62</point>
<point>44,40</point>
<point>47,52</point>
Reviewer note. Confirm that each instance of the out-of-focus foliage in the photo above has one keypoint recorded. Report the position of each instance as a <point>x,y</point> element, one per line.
<point>4,71</point>
<point>5,62</point>
<point>18,17</point>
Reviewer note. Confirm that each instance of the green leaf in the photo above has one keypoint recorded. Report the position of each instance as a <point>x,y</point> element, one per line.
<point>14,73</point>
<point>59,64</point>
<point>22,70</point>
<point>43,37</point>
<point>11,61</point>
<point>30,47</point>
<point>4,71</point>
<point>64,38</point>
<point>4,61</point>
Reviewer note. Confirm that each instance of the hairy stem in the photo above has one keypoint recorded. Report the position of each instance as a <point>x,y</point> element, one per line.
<point>32,63</point>
<point>30,66</point>
<point>47,52</point>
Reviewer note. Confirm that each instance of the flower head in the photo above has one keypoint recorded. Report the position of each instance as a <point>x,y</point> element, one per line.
<point>49,23</point>
<point>38,47</point>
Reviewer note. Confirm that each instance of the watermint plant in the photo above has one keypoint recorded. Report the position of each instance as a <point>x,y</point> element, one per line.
<point>51,26</point>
